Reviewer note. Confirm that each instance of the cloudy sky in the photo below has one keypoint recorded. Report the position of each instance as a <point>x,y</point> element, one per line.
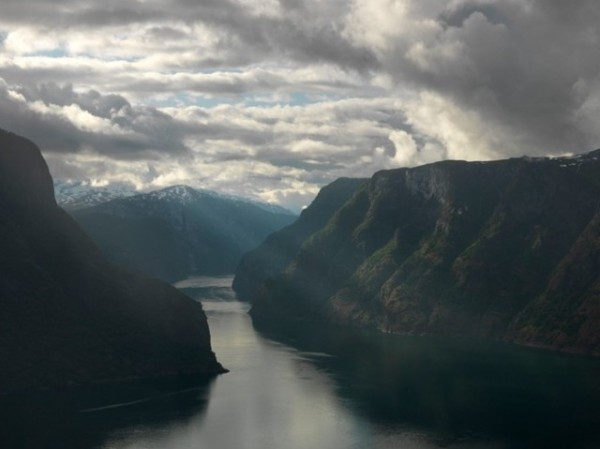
<point>271,99</point>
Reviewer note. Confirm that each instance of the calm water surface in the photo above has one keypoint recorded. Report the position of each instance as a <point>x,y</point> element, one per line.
<point>299,386</point>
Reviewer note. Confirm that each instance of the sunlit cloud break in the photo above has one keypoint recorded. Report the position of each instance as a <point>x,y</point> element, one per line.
<point>273,99</point>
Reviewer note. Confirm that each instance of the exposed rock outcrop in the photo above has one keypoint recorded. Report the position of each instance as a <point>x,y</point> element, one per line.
<point>277,251</point>
<point>504,250</point>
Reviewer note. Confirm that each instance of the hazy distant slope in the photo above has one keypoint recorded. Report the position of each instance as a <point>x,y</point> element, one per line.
<point>180,231</point>
<point>273,255</point>
<point>507,249</point>
<point>67,315</point>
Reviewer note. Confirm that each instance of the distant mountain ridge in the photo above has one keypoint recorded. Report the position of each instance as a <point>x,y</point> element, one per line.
<point>67,315</point>
<point>180,231</point>
<point>73,195</point>
<point>505,250</point>
<point>187,193</point>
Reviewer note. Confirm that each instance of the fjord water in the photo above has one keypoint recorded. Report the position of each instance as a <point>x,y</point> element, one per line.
<point>298,386</point>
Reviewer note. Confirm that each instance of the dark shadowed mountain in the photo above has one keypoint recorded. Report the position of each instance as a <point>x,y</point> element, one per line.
<point>68,316</point>
<point>179,231</point>
<point>277,251</point>
<point>504,250</point>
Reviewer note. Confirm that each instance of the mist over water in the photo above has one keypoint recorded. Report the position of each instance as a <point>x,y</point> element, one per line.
<point>301,386</point>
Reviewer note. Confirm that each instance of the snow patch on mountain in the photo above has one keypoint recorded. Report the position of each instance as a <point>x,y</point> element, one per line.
<point>187,194</point>
<point>73,195</point>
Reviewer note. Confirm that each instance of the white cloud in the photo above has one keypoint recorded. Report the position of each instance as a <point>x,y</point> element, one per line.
<point>406,151</point>
<point>379,23</point>
<point>273,98</point>
<point>461,133</point>
<point>29,40</point>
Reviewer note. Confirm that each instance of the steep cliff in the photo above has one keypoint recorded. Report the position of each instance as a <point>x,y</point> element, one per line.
<point>67,315</point>
<point>505,250</point>
<point>272,256</point>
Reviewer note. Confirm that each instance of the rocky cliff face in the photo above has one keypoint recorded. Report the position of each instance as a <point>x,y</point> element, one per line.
<point>67,315</point>
<point>277,251</point>
<point>504,250</point>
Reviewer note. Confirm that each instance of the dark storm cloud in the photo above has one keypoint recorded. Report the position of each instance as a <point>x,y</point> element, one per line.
<point>76,13</point>
<point>518,64</point>
<point>302,33</point>
<point>104,106</point>
<point>299,90</point>
<point>166,33</point>
<point>138,132</point>
<point>321,165</point>
<point>56,133</point>
<point>144,130</point>
<point>456,16</point>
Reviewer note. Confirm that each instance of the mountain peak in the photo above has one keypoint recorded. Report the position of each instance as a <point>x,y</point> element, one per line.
<point>79,194</point>
<point>24,175</point>
<point>180,231</point>
<point>179,192</point>
<point>69,316</point>
<point>182,192</point>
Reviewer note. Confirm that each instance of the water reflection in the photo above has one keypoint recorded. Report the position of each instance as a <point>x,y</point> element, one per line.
<point>295,386</point>
<point>88,417</point>
<point>271,398</point>
<point>457,391</point>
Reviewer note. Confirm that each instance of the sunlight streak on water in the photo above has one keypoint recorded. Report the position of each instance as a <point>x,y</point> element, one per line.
<point>298,386</point>
<point>273,398</point>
